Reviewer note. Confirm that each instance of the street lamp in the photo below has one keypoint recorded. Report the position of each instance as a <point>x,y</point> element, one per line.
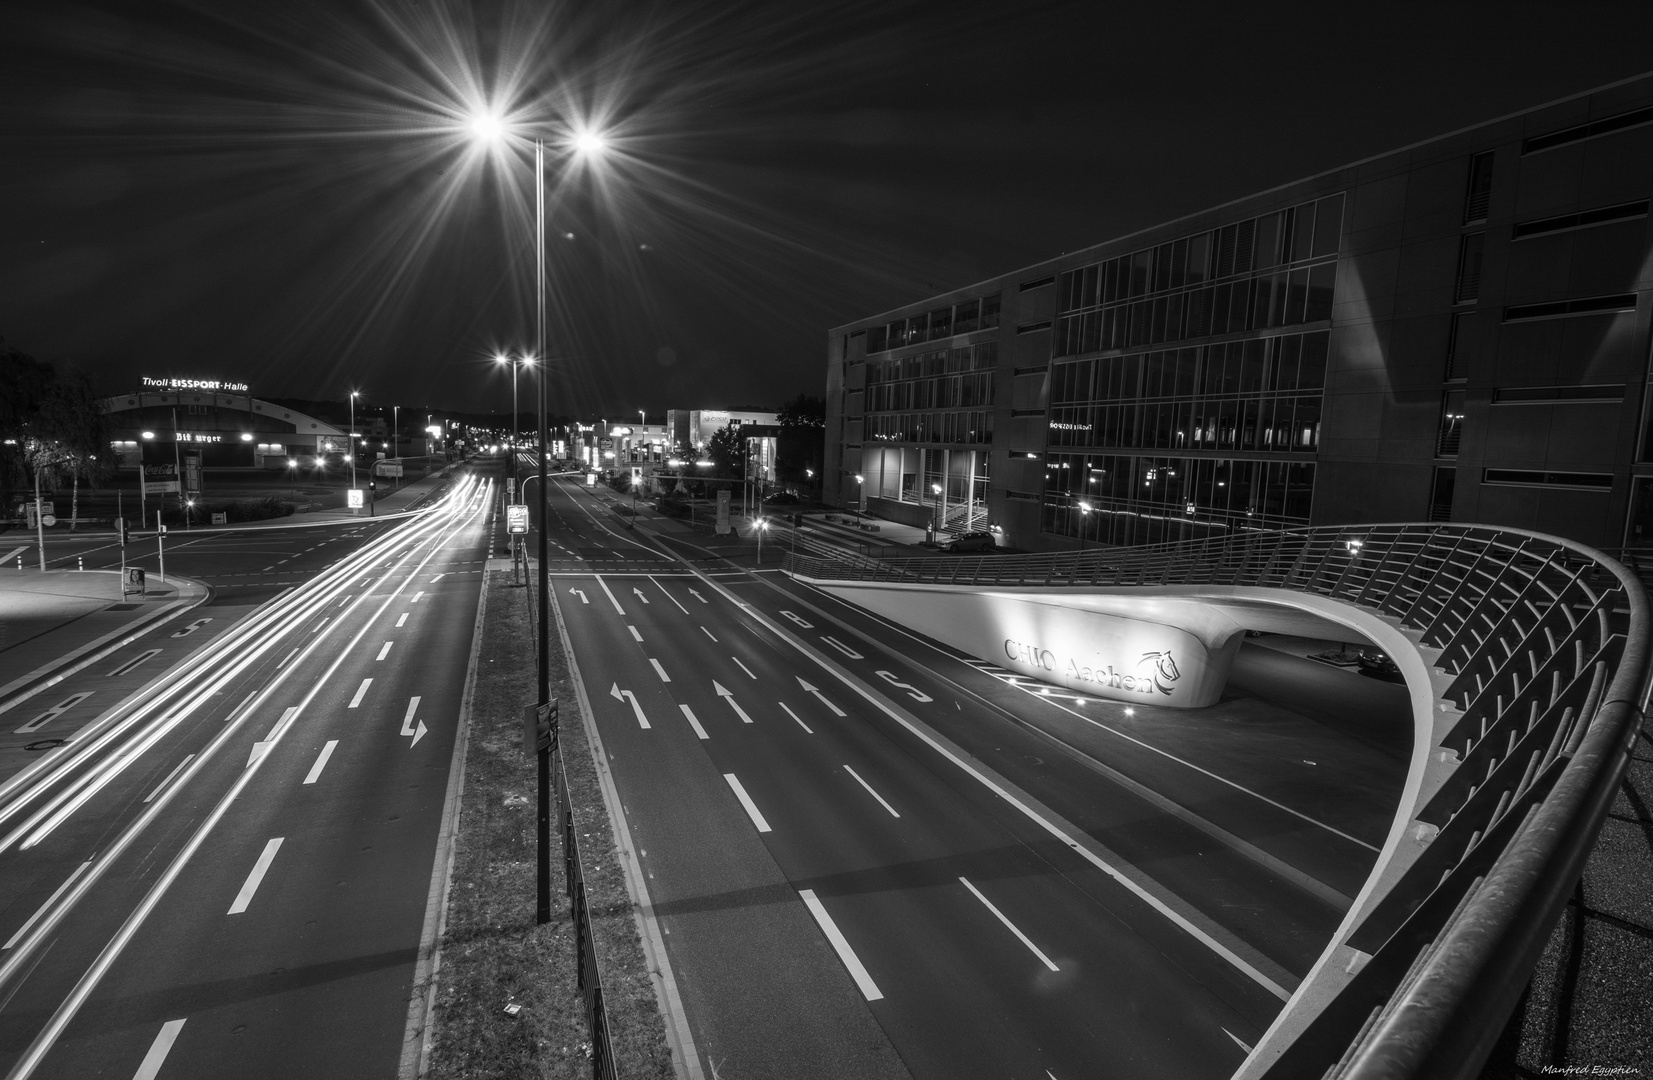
<point>762,526</point>
<point>351,442</point>
<point>860,496</point>
<point>1085,509</point>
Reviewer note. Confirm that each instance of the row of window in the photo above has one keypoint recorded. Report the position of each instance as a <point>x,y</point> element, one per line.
<point>982,357</point>
<point>1309,231</point>
<point>1115,499</point>
<point>1282,299</point>
<point>946,392</point>
<point>944,322</point>
<point>971,428</point>
<point>913,474</point>
<point>1272,424</point>
<point>1287,362</point>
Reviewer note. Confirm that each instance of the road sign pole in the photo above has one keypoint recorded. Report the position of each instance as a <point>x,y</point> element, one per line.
<point>539,724</point>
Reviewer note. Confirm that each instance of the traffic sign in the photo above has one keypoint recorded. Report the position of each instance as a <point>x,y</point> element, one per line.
<point>354,499</point>
<point>516,519</point>
<point>48,521</point>
<point>539,728</point>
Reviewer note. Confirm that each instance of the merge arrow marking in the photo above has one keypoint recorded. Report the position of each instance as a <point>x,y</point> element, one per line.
<point>623,695</point>
<point>697,596</point>
<point>639,593</point>
<point>418,734</point>
<point>581,594</point>
<point>258,751</point>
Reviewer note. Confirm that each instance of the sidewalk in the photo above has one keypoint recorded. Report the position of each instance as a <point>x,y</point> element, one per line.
<point>55,622</point>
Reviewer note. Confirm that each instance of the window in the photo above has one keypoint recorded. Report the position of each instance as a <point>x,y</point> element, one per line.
<point>1536,478</point>
<point>1458,346</point>
<point>1606,394</point>
<point>1591,305</point>
<point>965,316</point>
<point>877,339</point>
<point>1605,126</point>
<point>1328,225</point>
<point>1604,215</point>
<point>1452,424</point>
<point>1440,493</point>
<point>941,323</point>
<point>989,312</point>
<point>1479,197</point>
<point>1470,250</point>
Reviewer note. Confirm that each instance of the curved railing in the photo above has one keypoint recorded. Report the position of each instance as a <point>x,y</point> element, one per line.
<point>1541,652</point>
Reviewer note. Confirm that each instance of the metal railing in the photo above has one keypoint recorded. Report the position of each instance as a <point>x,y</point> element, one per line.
<point>585,942</point>
<point>1541,648</point>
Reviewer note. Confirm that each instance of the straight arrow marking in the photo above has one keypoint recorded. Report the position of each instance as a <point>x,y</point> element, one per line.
<point>820,696</point>
<point>723,692</point>
<point>697,596</point>
<point>639,593</point>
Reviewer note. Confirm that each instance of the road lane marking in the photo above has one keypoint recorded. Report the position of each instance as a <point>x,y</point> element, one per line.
<point>1237,1041</point>
<point>869,989</point>
<point>626,695</point>
<point>50,900</point>
<point>1009,925</point>
<point>639,593</point>
<point>361,692</point>
<point>384,652</point>
<point>707,632</point>
<point>698,730</point>
<point>175,770</point>
<point>610,595</point>
<point>871,792</point>
<point>746,801</point>
<point>286,658</point>
<point>635,636</point>
<point>416,596</point>
<point>793,715</point>
<point>132,663</point>
<point>321,762</point>
<point>658,670</point>
<point>150,1067</point>
<point>822,698</point>
<point>438,577</point>
<point>841,647</point>
<point>260,868</point>
<point>403,619</point>
<point>669,596</point>
<point>320,626</point>
<point>55,711</point>
<point>723,692</point>
<point>743,667</point>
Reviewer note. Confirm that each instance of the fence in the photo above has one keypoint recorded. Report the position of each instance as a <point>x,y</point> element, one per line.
<point>585,944</point>
<point>1541,648</point>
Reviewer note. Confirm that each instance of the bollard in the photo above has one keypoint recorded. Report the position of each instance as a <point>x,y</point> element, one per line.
<point>80,563</point>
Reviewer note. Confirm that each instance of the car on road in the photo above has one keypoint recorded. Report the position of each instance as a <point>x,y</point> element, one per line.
<point>970,541</point>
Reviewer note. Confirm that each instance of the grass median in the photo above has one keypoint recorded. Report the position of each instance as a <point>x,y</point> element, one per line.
<point>493,954</point>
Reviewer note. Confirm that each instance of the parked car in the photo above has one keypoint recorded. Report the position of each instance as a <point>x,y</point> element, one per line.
<point>971,541</point>
<point>782,498</point>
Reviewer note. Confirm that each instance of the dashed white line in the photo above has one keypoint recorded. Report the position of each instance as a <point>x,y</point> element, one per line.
<point>260,868</point>
<point>871,792</point>
<point>869,989</point>
<point>743,667</point>
<point>438,577</point>
<point>416,596</point>
<point>794,715</point>
<point>1009,925</point>
<point>746,801</point>
<point>150,1067</point>
<point>698,730</point>
<point>403,619</point>
<point>361,692</point>
<point>707,632</point>
<point>321,762</point>
<point>50,900</point>
<point>384,652</point>
<point>658,670</point>
<point>176,769</point>
<point>286,658</point>
<point>635,636</point>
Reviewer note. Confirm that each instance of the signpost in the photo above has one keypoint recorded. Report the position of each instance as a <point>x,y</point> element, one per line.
<point>723,527</point>
<point>354,499</point>
<point>539,738</point>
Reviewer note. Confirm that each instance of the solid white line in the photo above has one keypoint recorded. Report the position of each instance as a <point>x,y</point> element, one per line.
<point>793,715</point>
<point>1010,925</point>
<point>611,599</point>
<point>707,632</point>
<point>384,652</point>
<point>635,636</point>
<point>871,792</point>
<point>698,730</point>
<point>746,801</point>
<point>50,900</point>
<point>361,692</point>
<point>403,619</point>
<point>260,868</point>
<point>669,596</point>
<point>658,670</point>
<point>150,1067</point>
<point>869,989</point>
<point>321,762</point>
<point>169,776</point>
<point>743,667</point>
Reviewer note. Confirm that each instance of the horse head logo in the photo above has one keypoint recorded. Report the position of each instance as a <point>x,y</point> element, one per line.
<point>1165,670</point>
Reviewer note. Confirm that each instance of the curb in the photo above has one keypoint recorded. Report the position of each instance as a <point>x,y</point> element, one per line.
<point>86,655</point>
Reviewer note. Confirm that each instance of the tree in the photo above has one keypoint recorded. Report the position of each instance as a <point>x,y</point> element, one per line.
<point>74,436</point>
<point>803,411</point>
<point>727,451</point>
<point>801,446</point>
<point>24,384</point>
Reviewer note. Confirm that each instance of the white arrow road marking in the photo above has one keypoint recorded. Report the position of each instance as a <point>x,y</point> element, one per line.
<point>871,792</point>
<point>626,695</point>
<point>384,652</point>
<point>697,596</point>
<point>259,749</point>
<point>639,593</point>
<point>660,671</point>
<point>743,667</point>
<point>321,762</point>
<point>1237,1041</point>
<point>611,599</point>
<point>698,730</point>
<point>917,695</point>
<point>47,906</point>
<point>724,693</point>
<point>361,692</point>
<point>581,594</point>
<point>669,596</point>
<point>746,801</point>
<point>260,868</point>
<point>808,689</point>
<point>176,769</point>
<point>150,1067</point>
<point>1010,925</point>
<point>408,727</point>
<point>869,989</point>
<point>635,636</point>
<point>794,715</point>
<point>841,647</point>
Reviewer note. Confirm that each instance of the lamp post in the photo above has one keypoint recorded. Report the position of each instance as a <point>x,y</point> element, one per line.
<point>514,364</point>
<point>350,441</point>
<point>1085,509</point>
<point>860,496</point>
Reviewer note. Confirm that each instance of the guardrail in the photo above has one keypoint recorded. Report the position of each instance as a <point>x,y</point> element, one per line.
<point>1542,652</point>
<point>585,942</point>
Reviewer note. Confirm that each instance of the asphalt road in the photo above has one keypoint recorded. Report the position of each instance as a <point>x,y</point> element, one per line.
<point>234,880</point>
<point>870,857</point>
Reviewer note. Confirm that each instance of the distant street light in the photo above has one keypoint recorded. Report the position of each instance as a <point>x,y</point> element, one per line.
<point>351,442</point>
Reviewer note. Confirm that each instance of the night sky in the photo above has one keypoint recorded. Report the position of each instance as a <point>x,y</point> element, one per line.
<point>285,192</point>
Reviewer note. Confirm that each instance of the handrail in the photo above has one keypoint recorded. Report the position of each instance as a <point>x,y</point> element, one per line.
<point>1543,648</point>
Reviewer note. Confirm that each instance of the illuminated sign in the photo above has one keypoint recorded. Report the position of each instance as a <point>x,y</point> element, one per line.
<point>192,384</point>
<point>196,436</point>
<point>1155,670</point>
<point>1062,425</point>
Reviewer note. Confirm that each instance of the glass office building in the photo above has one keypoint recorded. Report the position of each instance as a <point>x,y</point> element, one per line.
<point>1458,330</point>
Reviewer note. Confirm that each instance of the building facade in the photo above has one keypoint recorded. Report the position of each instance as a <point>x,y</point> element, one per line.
<point>227,429</point>
<point>1456,331</point>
